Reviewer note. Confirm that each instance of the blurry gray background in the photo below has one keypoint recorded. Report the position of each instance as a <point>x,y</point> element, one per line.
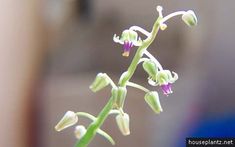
<point>75,43</point>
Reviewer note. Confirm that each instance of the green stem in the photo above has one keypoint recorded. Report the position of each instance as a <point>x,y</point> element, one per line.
<point>93,127</point>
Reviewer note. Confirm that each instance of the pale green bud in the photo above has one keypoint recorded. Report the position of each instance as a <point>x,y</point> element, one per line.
<point>150,67</point>
<point>70,118</point>
<point>190,18</point>
<point>153,101</point>
<point>123,121</point>
<point>119,95</point>
<point>100,82</point>
<point>79,131</point>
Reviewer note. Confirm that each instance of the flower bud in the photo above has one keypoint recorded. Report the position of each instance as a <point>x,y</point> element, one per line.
<point>123,123</point>
<point>190,18</point>
<point>152,100</point>
<point>163,26</point>
<point>79,131</point>
<point>150,67</point>
<point>119,95</point>
<point>100,82</point>
<point>70,118</point>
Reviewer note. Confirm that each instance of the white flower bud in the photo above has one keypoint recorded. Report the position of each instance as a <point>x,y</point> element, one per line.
<point>70,118</point>
<point>100,82</point>
<point>123,123</point>
<point>79,131</point>
<point>190,18</point>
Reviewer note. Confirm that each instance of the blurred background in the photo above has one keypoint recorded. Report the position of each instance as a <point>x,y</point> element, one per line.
<point>51,50</point>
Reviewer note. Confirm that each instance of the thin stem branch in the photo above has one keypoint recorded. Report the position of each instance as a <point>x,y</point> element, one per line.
<point>143,31</point>
<point>137,86</point>
<point>87,115</point>
<point>172,15</point>
<point>153,59</point>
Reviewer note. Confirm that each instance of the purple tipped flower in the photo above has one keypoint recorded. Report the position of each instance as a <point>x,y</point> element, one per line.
<point>166,88</point>
<point>127,48</point>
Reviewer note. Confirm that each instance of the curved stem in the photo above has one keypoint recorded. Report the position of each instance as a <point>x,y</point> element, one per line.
<point>142,60</point>
<point>143,31</point>
<point>137,86</point>
<point>87,115</point>
<point>111,82</point>
<point>153,59</point>
<point>172,15</point>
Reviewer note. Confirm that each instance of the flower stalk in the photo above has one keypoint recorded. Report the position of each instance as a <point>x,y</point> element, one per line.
<point>157,77</point>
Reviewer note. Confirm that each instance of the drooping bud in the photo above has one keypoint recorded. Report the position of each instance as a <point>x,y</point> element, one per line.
<point>123,121</point>
<point>79,131</point>
<point>70,118</point>
<point>190,18</point>
<point>119,95</point>
<point>153,101</point>
<point>100,82</point>
<point>150,67</point>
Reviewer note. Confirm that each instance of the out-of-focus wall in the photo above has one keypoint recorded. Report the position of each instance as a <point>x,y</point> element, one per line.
<point>21,49</point>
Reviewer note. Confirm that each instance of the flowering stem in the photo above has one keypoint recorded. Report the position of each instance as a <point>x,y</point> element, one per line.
<point>96,124</point>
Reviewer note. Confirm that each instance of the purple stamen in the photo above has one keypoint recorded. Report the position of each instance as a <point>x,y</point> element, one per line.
<point>166,89</point>
<point>127,47</point>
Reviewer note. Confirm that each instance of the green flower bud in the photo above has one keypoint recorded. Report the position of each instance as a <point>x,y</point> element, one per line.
<point>190,18</point>
<point>129,35</point>
<point>79,131</point>
<point>150,67</point>
<point>152,100</point>
<point>70,118</point>
<point>100,82</point>
<point>123,121</point>
<point>119,95</point>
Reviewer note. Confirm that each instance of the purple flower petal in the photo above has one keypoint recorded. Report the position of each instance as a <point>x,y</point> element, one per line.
<point>166,88</point>
<point>127,48</point>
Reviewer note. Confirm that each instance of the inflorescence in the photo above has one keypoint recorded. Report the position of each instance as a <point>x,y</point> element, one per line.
<point>157,76</point>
